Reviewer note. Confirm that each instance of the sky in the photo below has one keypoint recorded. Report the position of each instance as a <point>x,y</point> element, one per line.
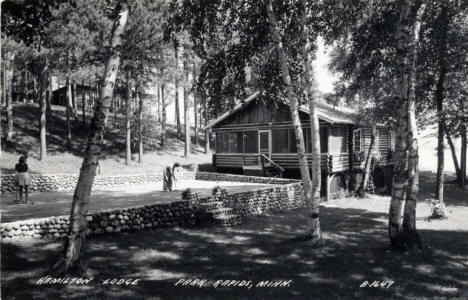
<point>323,76</point>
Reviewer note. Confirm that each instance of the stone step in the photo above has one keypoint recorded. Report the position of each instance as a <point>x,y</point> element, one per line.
<point>211,205</point>
<point>220,211</point>
<point>207,200</point>
<point>227,219</point>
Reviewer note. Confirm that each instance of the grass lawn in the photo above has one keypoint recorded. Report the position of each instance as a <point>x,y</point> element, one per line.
<point>267,247</point>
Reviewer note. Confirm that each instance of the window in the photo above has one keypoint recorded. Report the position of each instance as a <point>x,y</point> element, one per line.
<point>357,140</point>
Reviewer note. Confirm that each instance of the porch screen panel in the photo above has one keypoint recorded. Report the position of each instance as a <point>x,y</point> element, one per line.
<point>232,142</point>
<point>222,142</point>
<point>307,139</point>
<point>323,140</point>
<point>292,141</point>
<point>219,142</point>
<point>240,142</point>
<point>226,142</point>
<point>251,141</point>
<point>279,140</point>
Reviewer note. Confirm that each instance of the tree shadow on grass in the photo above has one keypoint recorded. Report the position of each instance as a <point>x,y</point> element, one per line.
<point>454,195</point>
<point>267,247</point>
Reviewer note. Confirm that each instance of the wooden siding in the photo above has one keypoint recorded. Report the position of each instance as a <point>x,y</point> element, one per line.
<point>383,147</point>
<point>257,112</point>
<point>329,163</point>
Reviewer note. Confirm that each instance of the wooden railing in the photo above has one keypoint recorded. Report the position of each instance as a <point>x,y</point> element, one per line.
<point>262,157</point>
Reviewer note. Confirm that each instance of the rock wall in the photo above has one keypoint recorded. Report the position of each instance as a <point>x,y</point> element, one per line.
<point>127,219</point>
<point>265,200</point>
<point>178,213</point>
<point>63,182</point>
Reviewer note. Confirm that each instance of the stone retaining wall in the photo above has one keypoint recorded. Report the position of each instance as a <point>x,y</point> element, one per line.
<point>63,182</point>
<point>265,200</point>
<point>183,212</point>
<point>117,220</point>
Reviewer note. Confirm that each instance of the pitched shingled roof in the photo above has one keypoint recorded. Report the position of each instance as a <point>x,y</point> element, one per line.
<point>326,112</point>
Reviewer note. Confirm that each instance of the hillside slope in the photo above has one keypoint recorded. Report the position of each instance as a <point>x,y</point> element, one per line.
<point>62,161</point>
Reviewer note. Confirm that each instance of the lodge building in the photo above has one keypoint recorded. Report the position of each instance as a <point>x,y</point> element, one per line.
<point>256,138</point>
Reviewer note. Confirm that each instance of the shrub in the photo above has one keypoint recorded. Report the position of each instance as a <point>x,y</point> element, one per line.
<point>438,210</point>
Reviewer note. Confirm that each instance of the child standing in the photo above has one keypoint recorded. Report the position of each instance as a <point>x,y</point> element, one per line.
<point>22,178</point>
<point>167,179</point>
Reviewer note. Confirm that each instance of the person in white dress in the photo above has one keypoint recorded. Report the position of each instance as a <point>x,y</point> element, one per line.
<point>176,176</point>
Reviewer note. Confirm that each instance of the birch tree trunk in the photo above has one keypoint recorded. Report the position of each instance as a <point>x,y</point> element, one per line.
<point>49,94</point>
<point>362,190</point>
<point>83,98</point>
<point>186,107</point>
<point>313,224</point>
<point>409,214</point>
<point>176,86</point>
<point>114,101</point>
<point>140,124</point>
<point>68,112</point>
<point>163,112</point>
<point>405,178</point>
<point>439,98</point>
<point>195,112</point>
<point>158,102</point>
<point>8,77</point>
<point>128,133</point>
<point>72,260</point>
<point>304,168</point>
<point>400,176</point>
<point>43,111</point>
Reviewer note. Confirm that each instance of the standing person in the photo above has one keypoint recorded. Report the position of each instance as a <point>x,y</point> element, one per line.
<point>22,178</point>
<point>175,175</point>
<point>167,179</point>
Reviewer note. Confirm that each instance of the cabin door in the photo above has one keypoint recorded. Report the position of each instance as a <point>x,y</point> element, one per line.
<point>264,142</point>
